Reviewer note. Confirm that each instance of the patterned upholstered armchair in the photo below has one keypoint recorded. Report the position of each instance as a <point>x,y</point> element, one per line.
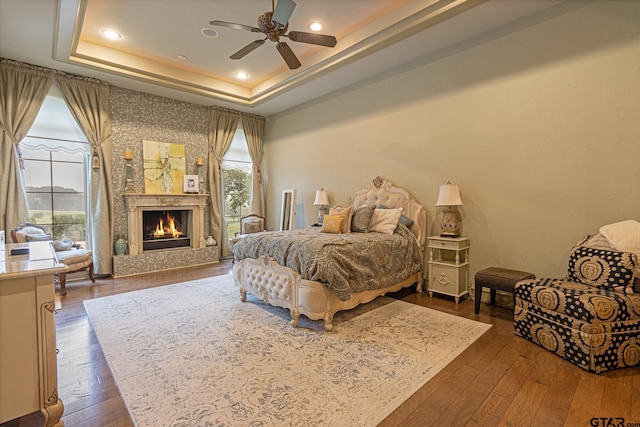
<point>251,224</point>
<point>248,224</point>
<point>591,317</point>
<point>76,258</point>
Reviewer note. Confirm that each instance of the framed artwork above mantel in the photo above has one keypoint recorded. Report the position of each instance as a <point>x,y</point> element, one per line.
<point>164,167</point>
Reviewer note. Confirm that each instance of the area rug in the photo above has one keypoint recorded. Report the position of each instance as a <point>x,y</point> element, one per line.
<point>192,354</point>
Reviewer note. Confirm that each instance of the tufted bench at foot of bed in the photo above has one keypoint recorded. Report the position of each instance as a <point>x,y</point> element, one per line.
<point>280,286</point>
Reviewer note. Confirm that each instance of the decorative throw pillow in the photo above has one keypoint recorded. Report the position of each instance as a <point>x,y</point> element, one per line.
<point>404,220</point>
<point>602,268</point>
<point>598,242</point>
<point>361,219</point>
<point>37,237</point>
<point>384,220</point>
<point>623,235</point>
<point>63,245</point>
<point>346,213</point>
<point>252,227</point>
<point>332,224</point>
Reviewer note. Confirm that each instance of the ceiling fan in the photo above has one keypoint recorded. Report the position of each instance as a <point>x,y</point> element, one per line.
<point>274,25</point>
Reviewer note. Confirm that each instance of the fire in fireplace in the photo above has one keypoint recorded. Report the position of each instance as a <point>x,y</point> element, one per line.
<point>165,229</point>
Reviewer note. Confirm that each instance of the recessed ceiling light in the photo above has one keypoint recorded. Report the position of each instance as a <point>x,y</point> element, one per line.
<point>242,75</point>
<point>315,26</point>
<point>209,32</point>
<point>182,57</point>
<point>111,34</point>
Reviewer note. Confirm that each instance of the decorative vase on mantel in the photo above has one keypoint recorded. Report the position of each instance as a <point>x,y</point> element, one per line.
<point>120,246</point>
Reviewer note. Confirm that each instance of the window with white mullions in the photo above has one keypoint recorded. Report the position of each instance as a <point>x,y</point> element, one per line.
<point>56,158</point>
<point>55,186</point>
<point>236,179</point>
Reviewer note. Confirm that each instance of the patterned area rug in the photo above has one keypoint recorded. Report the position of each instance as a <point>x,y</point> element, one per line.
<point>192,354</point>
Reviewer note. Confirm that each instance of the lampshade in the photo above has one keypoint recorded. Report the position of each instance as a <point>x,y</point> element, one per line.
<point>449,195</point>
<point>322,198</point>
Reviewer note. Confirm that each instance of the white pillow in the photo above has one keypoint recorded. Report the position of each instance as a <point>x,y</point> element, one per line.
<point>61,245</point>
<point>623,235</point>
<point>384,220</point>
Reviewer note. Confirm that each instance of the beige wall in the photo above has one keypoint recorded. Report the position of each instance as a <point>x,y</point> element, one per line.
<point>538,123</point>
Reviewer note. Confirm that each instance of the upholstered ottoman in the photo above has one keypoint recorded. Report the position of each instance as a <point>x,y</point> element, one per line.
<point>594,328</point>
<point>497,279</point>
<point>77,260</point>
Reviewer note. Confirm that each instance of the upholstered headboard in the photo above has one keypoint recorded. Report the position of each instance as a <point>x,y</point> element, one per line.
<point>382,192</point>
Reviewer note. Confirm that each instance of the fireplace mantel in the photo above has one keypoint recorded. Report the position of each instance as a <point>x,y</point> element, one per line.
<point>137,203</point>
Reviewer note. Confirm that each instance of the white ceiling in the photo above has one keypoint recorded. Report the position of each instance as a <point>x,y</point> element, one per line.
<point>374,37</point>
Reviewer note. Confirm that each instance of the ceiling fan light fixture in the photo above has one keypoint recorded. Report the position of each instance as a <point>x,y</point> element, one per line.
<point>209,32</point>
<point>110,34</point>
<point>275,25</point>
<point>315,26</point>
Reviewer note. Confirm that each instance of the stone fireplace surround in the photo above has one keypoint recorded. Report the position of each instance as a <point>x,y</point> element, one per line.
<point>138,203</point>
<point>138,261</point>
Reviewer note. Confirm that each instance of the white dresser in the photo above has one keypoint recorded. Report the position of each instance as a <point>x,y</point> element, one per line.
<point>28,363</point>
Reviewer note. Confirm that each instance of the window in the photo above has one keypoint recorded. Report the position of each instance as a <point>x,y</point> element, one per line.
<point>236,180</point>
<point>56,158</point>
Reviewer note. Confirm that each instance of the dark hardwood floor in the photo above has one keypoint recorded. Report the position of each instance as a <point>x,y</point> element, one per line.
<point>501,379</point>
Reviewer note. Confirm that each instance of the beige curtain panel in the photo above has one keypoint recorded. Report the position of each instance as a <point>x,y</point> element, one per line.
<point>253,132</point>
<point>222,128</point>
<point>88,100</point>
<point>23,89</point>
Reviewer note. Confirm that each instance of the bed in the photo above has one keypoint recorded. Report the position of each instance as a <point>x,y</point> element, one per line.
<point>316,273</point>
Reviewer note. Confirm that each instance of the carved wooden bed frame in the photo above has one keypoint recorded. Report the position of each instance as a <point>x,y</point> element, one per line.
<point>280,286</point>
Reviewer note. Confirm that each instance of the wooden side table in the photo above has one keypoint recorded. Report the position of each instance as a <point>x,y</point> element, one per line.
<point>448,266</point>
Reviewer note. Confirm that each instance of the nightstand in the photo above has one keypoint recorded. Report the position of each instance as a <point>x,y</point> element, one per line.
<point>448,266</point>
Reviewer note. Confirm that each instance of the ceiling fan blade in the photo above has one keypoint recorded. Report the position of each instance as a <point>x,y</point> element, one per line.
<point>235,26</point>
<point>283,11</point>
<point>319,39</point>
<point>247,49</point>
<point>288,55</point>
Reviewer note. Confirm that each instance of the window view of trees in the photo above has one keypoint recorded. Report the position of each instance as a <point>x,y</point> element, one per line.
<point>236,190</point>
<point>237,186</point>
<point>236,182</point>
<point>55,187</point>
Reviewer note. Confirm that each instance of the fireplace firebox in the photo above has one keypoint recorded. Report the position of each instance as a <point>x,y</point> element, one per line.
<point>165,229</point>
<point>186,221</point>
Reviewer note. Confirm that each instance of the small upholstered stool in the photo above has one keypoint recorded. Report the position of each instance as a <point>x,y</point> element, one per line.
<point>77,260</point>
<point>497,279</point>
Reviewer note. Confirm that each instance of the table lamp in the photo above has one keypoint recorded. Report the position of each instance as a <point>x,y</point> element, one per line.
<point>322,200</point>
<point>449,197</point>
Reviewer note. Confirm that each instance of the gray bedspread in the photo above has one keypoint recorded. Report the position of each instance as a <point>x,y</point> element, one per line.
<point>345,263</point>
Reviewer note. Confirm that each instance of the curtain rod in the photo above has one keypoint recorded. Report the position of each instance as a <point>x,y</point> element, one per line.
<point>57,73</point>
<point>228,110</point>
<point>49,71</point>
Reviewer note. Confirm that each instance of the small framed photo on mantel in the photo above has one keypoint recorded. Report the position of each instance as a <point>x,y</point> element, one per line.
<point>191,184</point>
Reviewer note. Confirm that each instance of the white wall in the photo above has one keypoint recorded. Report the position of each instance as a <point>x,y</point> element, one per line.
<point>538,123</point>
